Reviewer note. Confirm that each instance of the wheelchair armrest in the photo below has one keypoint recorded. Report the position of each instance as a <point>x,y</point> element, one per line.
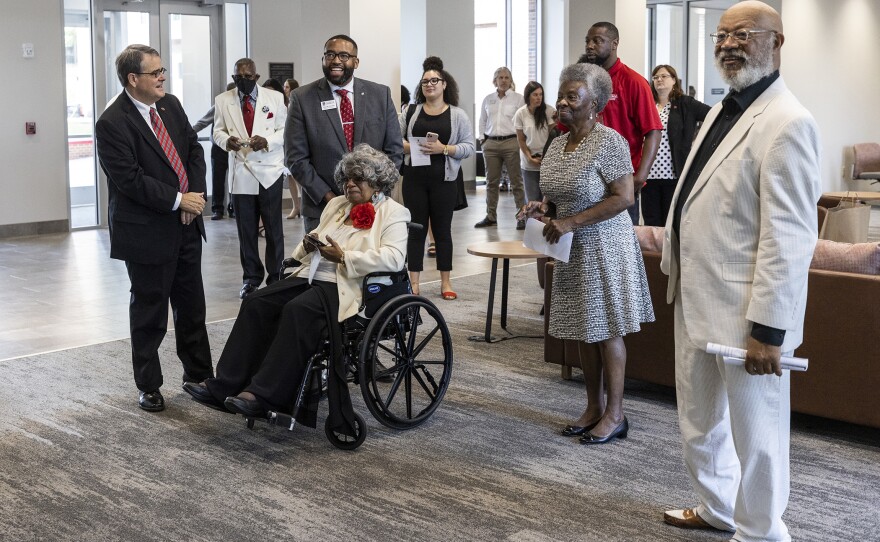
<point>288,263</point>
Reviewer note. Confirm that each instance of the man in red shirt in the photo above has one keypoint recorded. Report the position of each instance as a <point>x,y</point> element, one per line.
<point>631,110</point>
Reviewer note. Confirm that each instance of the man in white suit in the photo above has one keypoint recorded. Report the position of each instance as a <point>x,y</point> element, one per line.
<point>737,251</point>
<point>249,123</point>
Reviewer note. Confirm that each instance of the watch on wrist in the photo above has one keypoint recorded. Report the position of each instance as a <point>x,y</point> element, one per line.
<point>445,150</point>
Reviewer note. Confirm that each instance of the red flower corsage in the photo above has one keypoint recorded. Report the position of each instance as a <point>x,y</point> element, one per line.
<point>362,216</point>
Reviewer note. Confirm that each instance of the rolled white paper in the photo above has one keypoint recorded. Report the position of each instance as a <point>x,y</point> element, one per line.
<point>738,356</point>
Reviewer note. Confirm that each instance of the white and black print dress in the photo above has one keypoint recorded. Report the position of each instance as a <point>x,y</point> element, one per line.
<point>602,291</point>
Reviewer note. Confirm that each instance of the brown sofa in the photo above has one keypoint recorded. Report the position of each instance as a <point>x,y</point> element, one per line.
<point>841,331</point>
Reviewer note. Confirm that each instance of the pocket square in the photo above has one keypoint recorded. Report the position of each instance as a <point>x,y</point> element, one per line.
<point>270,115</point>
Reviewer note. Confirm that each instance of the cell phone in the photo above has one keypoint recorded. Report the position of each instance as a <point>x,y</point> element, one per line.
<point>431,137</point>
<point>315,241</point>
<point>536,155</point>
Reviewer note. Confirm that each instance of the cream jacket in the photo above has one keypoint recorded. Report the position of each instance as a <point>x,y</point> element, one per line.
<point>248,169</point>
<point>380,248</point>
<point>748,227</point>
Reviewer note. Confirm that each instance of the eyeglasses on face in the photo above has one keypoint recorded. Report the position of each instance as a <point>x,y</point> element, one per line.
<point>661,76</point>
<point>248,76</point>
<point>344,57</point>
<point>432,81</point>
<point>740,36</point>
<point>154,73</point>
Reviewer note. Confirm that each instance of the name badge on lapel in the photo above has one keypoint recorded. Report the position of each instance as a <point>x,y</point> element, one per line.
<point>329,104</point>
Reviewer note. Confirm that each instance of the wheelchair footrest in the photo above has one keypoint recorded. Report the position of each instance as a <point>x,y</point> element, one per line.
<point>280,419</point>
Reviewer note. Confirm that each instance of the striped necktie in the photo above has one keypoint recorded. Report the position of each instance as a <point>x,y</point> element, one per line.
<point>170,151</point>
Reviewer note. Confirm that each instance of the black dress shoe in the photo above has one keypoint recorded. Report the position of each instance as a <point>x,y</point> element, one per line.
<point>246,290</point>
<point>485,223</point>
<point>231,211</point>
<point>217,215</point>
<point>245,407</point>
<point>151,401</point>
<point>201,394</point>
<point>577,430</point>
<point>619,432</point>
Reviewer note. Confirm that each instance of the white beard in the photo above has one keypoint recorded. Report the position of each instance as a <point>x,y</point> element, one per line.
<point>755,68</point>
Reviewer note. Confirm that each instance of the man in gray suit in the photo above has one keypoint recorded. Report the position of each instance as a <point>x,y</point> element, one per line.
<point>328,117</point>
<point>737,250</point>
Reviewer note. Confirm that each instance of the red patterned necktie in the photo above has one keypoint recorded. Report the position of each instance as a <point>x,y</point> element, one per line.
<point>247,111</point>
<point>170,151</point>
<point>347,114</point>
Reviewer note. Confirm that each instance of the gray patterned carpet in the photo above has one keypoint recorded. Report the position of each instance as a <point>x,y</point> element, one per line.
<point>79,460</point>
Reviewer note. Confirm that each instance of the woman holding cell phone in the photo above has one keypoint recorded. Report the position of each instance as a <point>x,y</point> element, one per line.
<point>430,191</point>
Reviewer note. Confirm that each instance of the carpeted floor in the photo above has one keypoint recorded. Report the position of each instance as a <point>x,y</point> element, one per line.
<point>79,460</point>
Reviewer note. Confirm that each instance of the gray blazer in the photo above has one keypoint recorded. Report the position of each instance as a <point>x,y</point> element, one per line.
<point>314,141</point>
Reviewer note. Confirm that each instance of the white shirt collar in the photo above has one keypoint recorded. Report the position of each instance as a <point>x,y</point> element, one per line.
<point>142,108</point>
<point>349,87</point>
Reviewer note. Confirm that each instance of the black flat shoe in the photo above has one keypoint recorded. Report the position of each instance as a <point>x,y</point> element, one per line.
<point>619,432</point>
<point>485,223</point>
<point>151,401</point>
<point>202,395</point>
<point>245,407</point>
<point>246,290</point>
<point>577,430</point>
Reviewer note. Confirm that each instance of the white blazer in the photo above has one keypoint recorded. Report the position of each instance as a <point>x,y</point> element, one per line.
<point>380,248</point>
<point>249,169</point>
<point>748,227</point>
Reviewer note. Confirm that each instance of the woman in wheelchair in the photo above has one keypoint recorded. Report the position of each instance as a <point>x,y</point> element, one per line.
<point>282,325</point>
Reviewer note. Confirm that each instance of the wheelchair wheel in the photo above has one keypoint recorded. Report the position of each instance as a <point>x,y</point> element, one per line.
<point>345,442</point>
<point>405,362</point>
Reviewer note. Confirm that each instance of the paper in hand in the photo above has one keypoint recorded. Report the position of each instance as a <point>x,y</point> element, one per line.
<point>533,238</point>
<point>416,156</point>
<point>737,356</point>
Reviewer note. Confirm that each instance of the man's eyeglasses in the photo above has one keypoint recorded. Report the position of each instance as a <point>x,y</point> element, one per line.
<point>740,36</point>
<point>661,76</point>
<point>344,57</point>
<point>248,77</point>
<point>154,73</point>
<point>432,81</point>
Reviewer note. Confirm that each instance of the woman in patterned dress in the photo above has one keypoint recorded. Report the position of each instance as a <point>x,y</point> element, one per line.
<point>601,294</point>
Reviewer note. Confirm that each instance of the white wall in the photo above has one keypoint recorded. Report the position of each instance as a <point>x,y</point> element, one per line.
<point>34,178</point>
<point>629,18</point>
<point>831,61</point>
<point>413,35</point>
<point>450,35</point>
<point>275,36</point>
<point>375,26</point>
<point>582,14</point>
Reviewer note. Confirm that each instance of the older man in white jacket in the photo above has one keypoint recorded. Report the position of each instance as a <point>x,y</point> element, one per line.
<point>249,123</point>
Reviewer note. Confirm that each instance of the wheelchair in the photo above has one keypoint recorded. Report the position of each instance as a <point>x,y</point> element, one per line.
<point>397,349</point>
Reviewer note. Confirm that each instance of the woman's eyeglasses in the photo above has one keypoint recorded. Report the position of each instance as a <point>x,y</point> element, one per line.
<point>432,81</point>
<point>661,76</point>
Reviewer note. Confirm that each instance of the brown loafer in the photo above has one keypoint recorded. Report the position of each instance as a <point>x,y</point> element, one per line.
<point>686,519</point>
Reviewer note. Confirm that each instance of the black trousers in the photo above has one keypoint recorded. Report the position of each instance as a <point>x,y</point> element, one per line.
<point>249,210</point>
<point>219,167</point>
<point>152,287</point>
<point>656,200</point>
<point>277,330</point>
<point>429,199</point>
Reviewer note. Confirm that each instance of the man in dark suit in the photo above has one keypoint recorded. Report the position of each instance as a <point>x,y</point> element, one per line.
<point>155,171</point>
<point>328,117</point>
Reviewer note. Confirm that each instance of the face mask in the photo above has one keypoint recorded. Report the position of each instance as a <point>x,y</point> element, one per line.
<point>245,86</point>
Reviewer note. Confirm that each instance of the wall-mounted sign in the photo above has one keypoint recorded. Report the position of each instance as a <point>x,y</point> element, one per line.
<point>281,71</point>
<point>714,90</point>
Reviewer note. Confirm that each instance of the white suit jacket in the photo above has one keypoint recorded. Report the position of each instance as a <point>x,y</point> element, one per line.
<point>249,169</point>
<point>748,227</point>
<point>380,248</point>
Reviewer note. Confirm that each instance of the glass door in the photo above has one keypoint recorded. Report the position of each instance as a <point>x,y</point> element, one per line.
<point>190,38</point>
